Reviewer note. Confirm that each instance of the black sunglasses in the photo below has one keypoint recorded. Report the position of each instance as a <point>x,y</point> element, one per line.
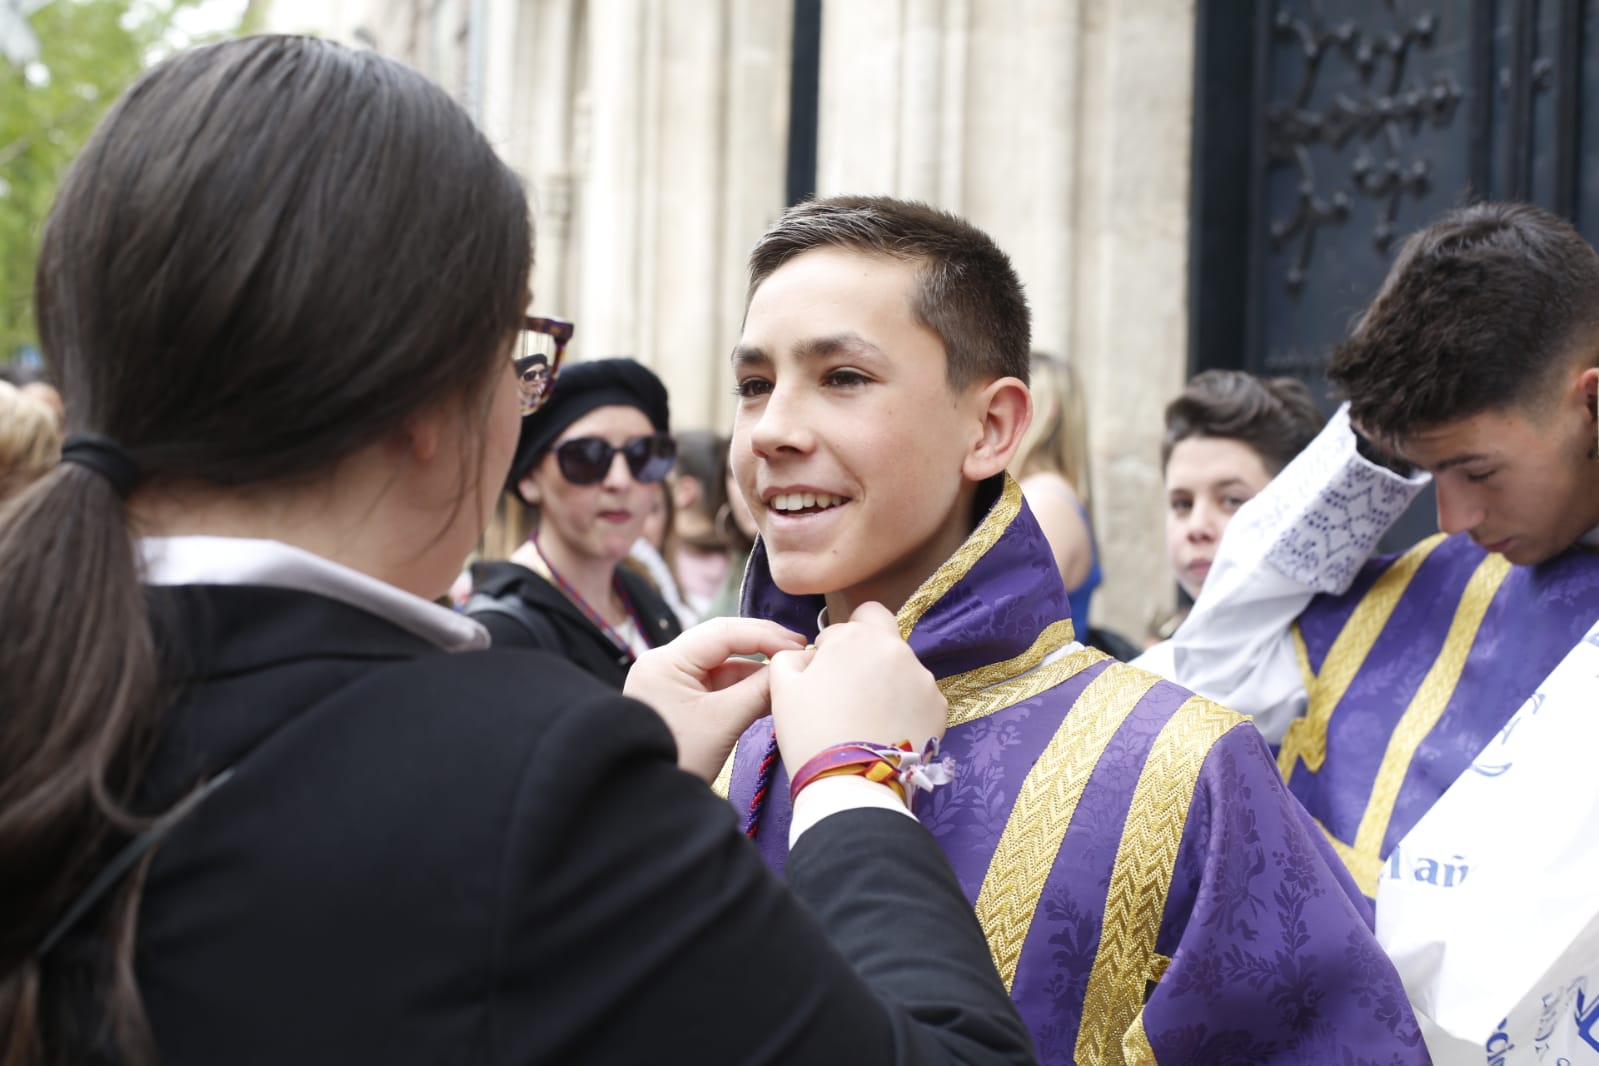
<point>586,460</point>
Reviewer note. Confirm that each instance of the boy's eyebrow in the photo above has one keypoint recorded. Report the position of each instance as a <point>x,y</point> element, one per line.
<point>1459,460</point>
<point>745,355</point>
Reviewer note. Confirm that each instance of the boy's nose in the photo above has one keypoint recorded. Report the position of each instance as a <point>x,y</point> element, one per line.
<point>1457,511</point>
<point>1202,524</point>
<point>781,426</point>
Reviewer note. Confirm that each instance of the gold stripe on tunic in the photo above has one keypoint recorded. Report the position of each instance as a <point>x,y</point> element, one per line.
<point>1045,804</point>
<point>723,785</point>
<point>1419,719</point>
<point>1306,738</point>
<point>1141,878</point>
<point>1135,1045</point>
<point>958,686</point>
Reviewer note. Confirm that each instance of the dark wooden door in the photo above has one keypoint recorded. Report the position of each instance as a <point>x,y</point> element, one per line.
<point>1327,130</point>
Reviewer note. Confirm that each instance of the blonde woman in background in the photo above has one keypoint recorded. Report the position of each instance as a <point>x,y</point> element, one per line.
<point>1052,467</point>
<point>30,439</point>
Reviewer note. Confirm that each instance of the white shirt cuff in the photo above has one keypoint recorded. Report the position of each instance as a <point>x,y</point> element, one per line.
<point>1319,520</point>
<point>832,795</point>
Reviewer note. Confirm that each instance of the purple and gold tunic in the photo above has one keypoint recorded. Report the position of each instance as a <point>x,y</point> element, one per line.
<point>1149,889</point>
<point>1411,672</point>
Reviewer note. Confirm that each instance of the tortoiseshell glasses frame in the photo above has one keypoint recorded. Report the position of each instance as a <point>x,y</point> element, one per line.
<point>536,367</point>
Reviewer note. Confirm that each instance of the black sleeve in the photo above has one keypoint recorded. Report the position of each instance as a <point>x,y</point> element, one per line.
<point>638,925</point>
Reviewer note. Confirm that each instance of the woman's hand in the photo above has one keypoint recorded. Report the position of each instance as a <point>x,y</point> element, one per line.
<point>861,683</point>
<point>706,695</point>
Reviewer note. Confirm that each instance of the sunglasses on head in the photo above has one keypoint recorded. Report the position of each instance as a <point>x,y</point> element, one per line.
<point>586,460</point>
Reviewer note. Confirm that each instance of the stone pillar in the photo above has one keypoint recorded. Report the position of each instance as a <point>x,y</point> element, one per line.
<point>654,134</point>
<point>1062,128</point>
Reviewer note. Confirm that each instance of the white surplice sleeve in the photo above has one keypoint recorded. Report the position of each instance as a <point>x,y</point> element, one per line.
<point>1308,532</point>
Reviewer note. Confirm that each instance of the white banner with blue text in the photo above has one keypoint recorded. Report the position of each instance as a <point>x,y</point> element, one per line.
<point>1489,907</point>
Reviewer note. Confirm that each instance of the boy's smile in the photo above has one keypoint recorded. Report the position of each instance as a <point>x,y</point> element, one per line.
<point>849,444</point>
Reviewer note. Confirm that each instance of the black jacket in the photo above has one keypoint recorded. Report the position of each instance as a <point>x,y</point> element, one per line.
<point>487,857</point>
<point>566,630</point>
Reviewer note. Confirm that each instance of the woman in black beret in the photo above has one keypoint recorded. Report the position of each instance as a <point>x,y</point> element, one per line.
<point>589,462</point>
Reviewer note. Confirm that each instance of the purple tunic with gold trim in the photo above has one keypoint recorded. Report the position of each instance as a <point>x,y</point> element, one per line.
<point>1411,672</point>
<point>1150,891</point>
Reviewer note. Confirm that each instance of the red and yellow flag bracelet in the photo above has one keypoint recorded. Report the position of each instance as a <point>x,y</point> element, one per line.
<point>899,766</point>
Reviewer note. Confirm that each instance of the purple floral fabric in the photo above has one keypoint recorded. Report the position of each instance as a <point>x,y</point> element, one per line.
<point>1271,955</point>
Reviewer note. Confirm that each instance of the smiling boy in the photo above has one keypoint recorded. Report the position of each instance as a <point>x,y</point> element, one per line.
<point>1477,363</point>
<point>1149,889</point>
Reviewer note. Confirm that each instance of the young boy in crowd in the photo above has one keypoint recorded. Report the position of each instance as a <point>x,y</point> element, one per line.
<point>1149,889</point>
<point>1477,363</point>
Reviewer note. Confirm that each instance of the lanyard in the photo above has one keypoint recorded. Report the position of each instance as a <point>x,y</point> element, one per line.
<point>594,616</point>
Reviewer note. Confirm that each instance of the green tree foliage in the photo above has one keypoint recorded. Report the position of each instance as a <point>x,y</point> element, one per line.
<point>89,51</point>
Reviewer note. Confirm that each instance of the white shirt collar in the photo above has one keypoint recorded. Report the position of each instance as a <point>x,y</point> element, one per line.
<point>246,561</point>
<point>1590,538</point>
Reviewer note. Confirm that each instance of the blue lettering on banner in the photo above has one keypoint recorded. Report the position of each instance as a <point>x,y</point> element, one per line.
<point>1587,1019</point>
<point>1427,871</point>
<point>1499,1045</point>
<point>1491,771</point>
<point>1554,1008</point>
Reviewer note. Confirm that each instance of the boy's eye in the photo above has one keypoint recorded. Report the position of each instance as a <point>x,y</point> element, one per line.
<point>846,377</point>
<point>748,388</point>
<point>1181,507</point>
<point>1232,503</point>
<point>1481,476</point>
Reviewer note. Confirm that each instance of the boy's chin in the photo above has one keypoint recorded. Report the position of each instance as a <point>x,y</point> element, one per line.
<point>802,580</point>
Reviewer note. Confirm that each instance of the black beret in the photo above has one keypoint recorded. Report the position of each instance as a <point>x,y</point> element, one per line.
<point>579,389</point>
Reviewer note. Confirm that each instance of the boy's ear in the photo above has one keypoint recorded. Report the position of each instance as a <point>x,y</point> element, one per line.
<point>1589,383</point>
<point>1005,406</point>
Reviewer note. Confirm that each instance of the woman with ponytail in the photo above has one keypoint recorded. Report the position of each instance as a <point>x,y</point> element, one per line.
<point>261,799</point>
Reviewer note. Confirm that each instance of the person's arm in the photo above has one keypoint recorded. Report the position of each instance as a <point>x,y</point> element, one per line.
<point>1060,516</point>
<point>1308,532</point>
<point>639,925</point>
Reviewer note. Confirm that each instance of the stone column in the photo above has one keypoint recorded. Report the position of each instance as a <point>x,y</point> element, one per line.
<point>674,121</point>
<point>1062,128</point>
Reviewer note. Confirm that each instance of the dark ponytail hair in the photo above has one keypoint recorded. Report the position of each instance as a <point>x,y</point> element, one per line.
<point>270,253</point>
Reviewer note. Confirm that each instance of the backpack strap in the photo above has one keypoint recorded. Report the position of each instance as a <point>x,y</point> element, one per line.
<point>512,606</point>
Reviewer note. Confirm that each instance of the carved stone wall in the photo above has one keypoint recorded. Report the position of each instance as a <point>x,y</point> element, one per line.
<point>1062,128</point>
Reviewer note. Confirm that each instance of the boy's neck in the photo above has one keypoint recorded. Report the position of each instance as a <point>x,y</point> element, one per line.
<point>892,590</point>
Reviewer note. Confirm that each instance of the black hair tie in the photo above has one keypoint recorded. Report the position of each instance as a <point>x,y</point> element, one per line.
<point>105,457</point>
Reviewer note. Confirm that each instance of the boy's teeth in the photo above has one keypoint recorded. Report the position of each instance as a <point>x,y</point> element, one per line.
<point>799,501</point>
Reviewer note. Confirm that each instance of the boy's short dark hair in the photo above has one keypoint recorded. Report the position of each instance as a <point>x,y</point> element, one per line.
<point>1477,312</point>
<point>1276,417</point>
<point>969,293</point>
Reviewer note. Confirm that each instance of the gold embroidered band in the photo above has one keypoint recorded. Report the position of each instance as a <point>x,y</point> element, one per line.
<point>1306,738</point>
<point>1141,879</point>
<point>1425,709</point>
<point>1045,804</point>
